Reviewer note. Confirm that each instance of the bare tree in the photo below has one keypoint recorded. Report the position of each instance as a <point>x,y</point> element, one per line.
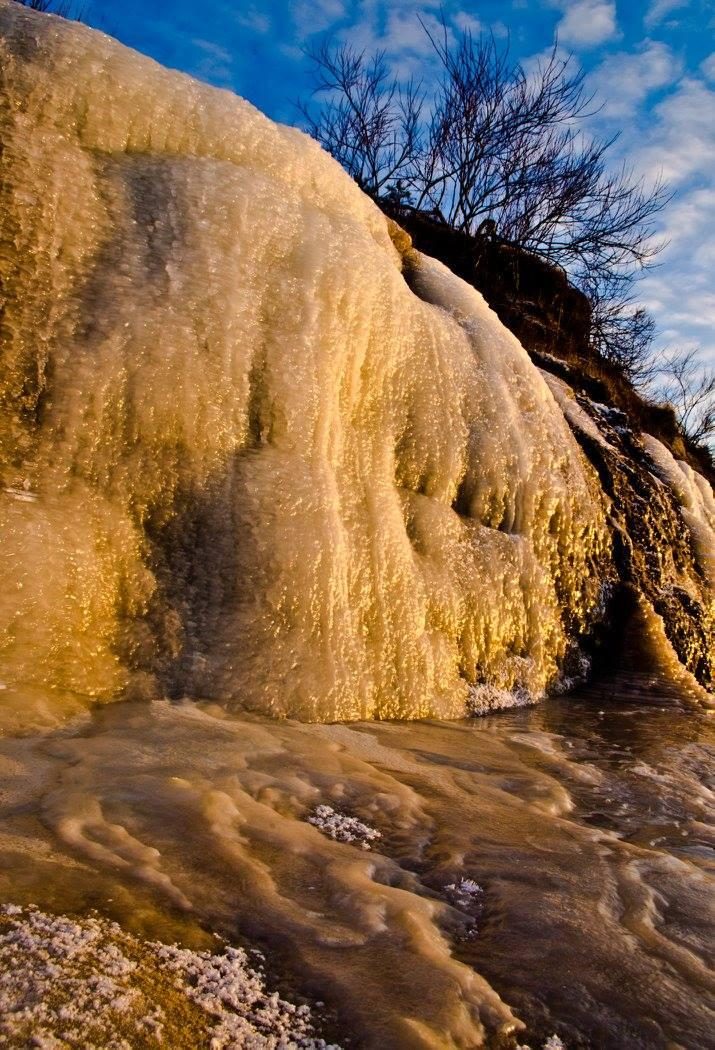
<point>500,145</point>
<point>368,121</point>
<point>507,146</point>
<point>689,387</point>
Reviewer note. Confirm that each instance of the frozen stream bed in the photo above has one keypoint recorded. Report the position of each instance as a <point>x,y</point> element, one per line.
<point>500,881</point>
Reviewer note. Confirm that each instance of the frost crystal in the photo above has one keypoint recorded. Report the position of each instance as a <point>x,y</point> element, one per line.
<point>552,1043</point>
<point>465,893</point>
<point>342,828</point>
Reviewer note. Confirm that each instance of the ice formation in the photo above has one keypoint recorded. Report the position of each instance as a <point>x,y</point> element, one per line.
<point>695,496</point>
<point>241,456</point>
<point>551,811</point>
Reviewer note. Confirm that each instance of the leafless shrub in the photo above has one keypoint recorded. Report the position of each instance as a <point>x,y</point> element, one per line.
<point>621,331</point>
<point>688,385</point>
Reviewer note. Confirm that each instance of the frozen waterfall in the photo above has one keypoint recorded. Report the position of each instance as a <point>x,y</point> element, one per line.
<point>243,457</point>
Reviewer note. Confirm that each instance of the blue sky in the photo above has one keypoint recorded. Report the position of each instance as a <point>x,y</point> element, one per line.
<point>651,62</point>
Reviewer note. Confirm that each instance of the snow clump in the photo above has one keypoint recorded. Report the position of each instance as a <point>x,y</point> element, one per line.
<point>552,1043</point>
<point>466,893</point>
<point>342,828</point>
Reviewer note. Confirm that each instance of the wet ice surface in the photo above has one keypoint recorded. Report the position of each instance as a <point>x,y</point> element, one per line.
<point>551,866</point>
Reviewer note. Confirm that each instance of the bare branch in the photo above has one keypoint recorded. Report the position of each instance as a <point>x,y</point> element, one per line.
<point>367,120</point>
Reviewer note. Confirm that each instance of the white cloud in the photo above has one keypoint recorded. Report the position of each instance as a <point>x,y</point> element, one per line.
<point>660,9</point>
<point>467,23</point>
<point>500,30</point>
<point>586,23</point>
<point>624,80</point>
<point>533,64</point>
<point>408,46</point>
<point>215,64</point>
<point>254,20</point>
<point>292,52</point>
<point>683,304</point>
<point>313,16</point>
<point>681,139</point>
<point>683,223</point>
<point>708,67</point>
<point>208,47</point>
<point>404,32</point>
<point>395,28</point>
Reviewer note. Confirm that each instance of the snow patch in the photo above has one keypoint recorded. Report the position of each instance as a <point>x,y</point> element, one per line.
<point>576,416</point>
<point>87,983</point>
<point>695,496</point>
